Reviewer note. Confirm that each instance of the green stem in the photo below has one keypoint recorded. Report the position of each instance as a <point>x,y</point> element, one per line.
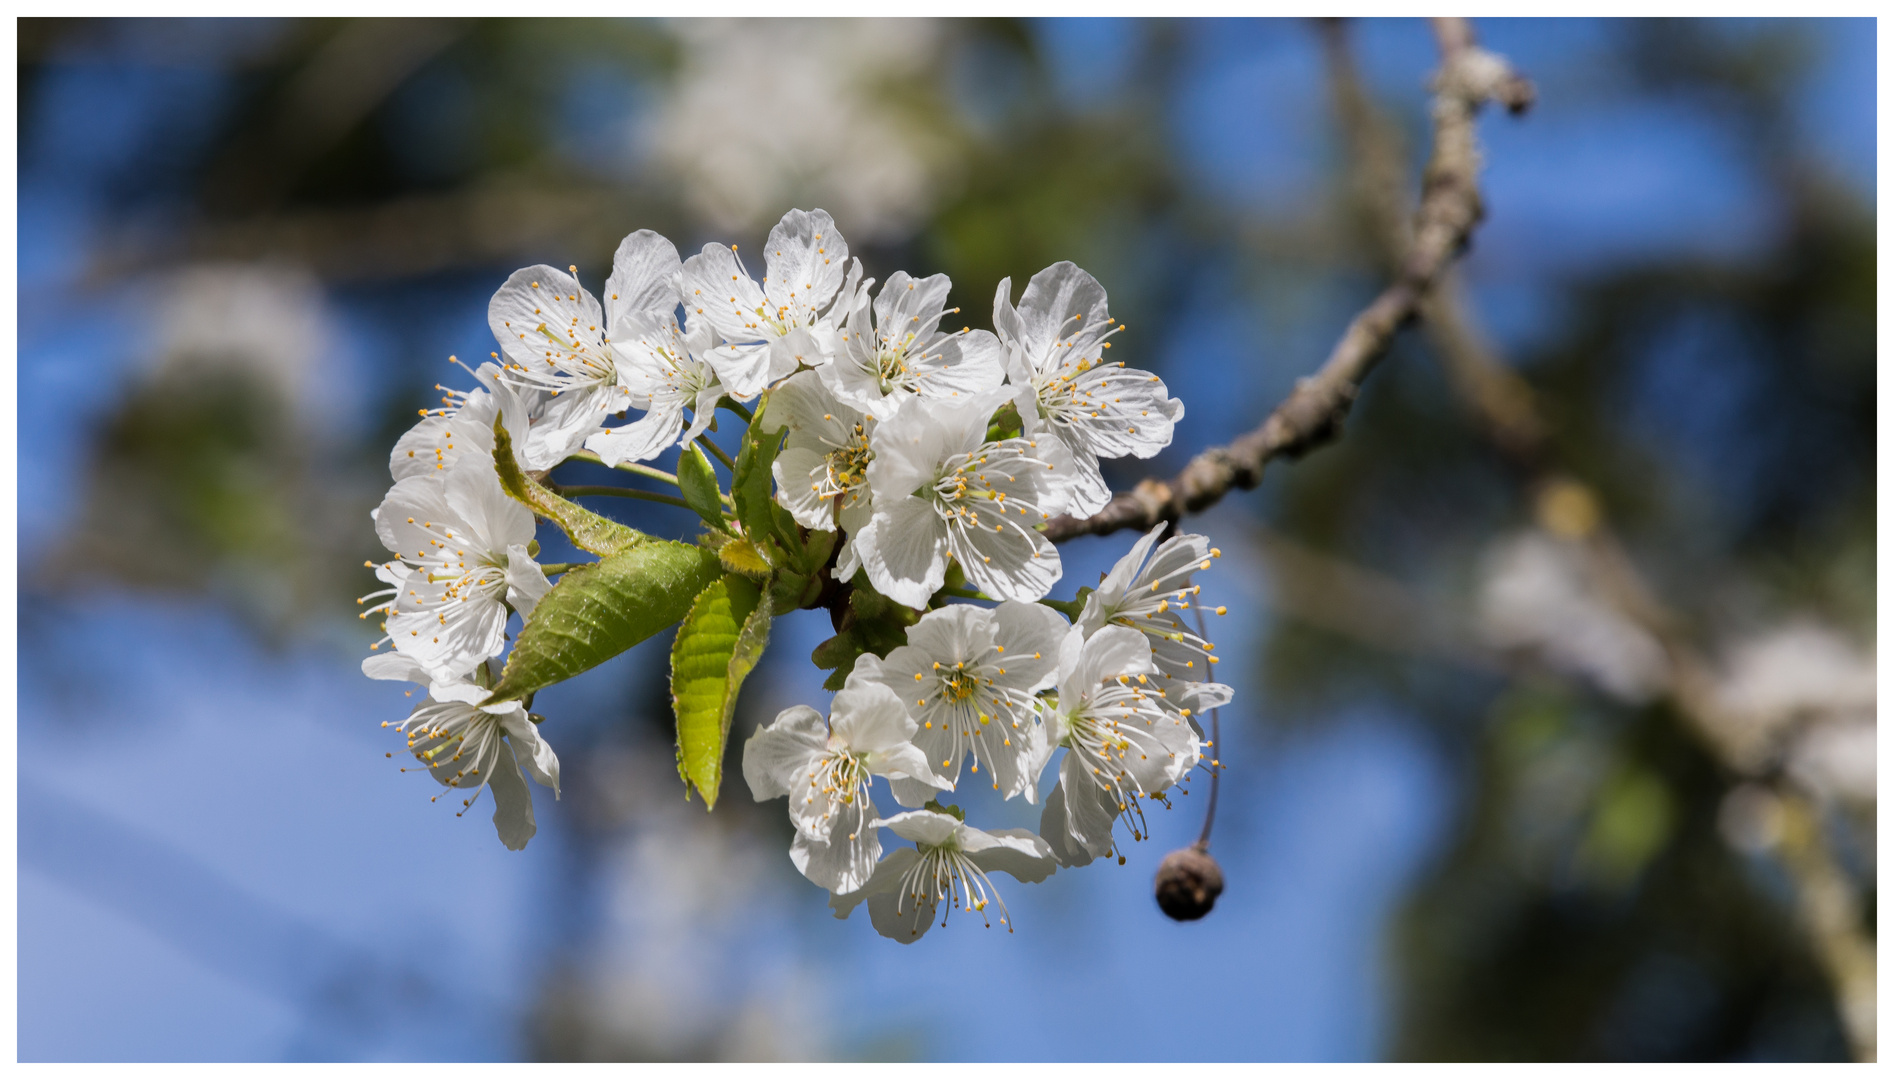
<point>551,568</point>
<point>717,452</point>
<point>733,406</point>
<point>967,594</point>
<point>575,490</point>
<point>1068,608</point>
<point>645,471</point>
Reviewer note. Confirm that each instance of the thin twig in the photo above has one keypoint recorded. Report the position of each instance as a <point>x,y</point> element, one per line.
<point>1312,415</point>
<point>632,467</point>
<point>577,490</point>
<point>1216,764</point>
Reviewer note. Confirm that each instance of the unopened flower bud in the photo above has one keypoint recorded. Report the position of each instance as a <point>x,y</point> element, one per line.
<point>1188,883</point>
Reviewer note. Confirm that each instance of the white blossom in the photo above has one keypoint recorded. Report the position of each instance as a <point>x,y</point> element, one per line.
<point>666,373</point>
<point>470,747</point>
<point>1805,691</point>
<point>559,339</point>
<point>941,489</point>
<point>267,321</point>
<point>465,425</point>
<point>949,866</point>
<point>729,132</point>
<point>1150,597</point>
<point>442,435</point>
<point>463,542</point>
<point>968,677</point>
<point>822,471</point>
<point>1055,345</point>
<point>1127,737</point>
<point>825,770</point>
<point>899,350</point>
<point>1538,595</point>
<point>788,321</point>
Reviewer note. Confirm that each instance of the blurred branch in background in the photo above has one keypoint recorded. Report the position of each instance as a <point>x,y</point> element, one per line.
<point>1573,513</point>
<point>1468,78</point>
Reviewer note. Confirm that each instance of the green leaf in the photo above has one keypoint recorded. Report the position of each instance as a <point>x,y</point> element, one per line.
<point>598,535</point>
<point>739,556</point>
<point>717,646</point>
<point>750,482</point>
<point>598,611</point>
<point>816,551</point>
<point>699,484</point>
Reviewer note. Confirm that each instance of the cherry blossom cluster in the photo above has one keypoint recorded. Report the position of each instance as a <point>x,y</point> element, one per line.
<point>934,455</point>
<point>1118,690</point>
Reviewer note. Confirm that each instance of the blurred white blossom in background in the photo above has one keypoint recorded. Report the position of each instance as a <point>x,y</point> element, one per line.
<point>1805,691</point>
<point>269,321</point>
<point>1537,595</point>
<point>673,970</point>
<point>768,113</point>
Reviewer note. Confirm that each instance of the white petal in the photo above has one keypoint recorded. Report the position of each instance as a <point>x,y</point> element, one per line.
<point>641,440</point>
<point>495,519</point>
<point>1103,603</point>
<point>1054,830</point>
<point>1018,852</point>
<point>904,550</point>
<point>908,305</point>
<point>926,827</point>
<point>869,719</point>
<point>909,773</point>
<point>1007,562</point>
<point>526,583</point>
<point>716,289</point>
<point>807,260</point>
<point>902,917</point>
<point>1005,317</point>
<point>797,471</point>
<point>1113,651</point>
<point>532,751</point>
<point>542,317</point>
<point>798,347</point>
<point>844,862</point>
<point>512,802</point>
<point>778,756</point>
<point>421,498</point>
<point>395,666</point>
<point>886,878</point>
<point>964,366</point>
<point>1088,811</point>
<point>1023,632</point>
<point>1086,489</point>
<point>1061,301</point>
<point>644,281</point>
<point>949,635</point>
<point>744,369</point>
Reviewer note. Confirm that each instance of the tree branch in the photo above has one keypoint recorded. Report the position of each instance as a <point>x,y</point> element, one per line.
<point>1509,415</point>
<point>1312,415</point>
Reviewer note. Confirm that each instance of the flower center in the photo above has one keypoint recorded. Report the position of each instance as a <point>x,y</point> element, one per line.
<point>846,467</point>
<point>957,684</point>
<point>843,777</point>
<point>891,365</point>
<point>944,877</point>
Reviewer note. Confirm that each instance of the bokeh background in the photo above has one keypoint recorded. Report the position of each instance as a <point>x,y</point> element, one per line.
<point>1462,819</point>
